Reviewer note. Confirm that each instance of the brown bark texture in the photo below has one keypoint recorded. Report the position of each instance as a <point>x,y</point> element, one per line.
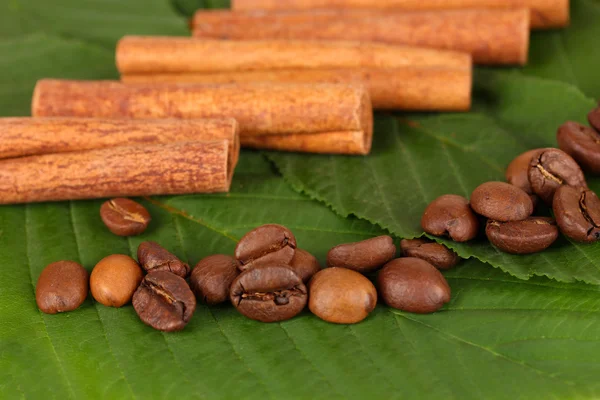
<point>24,136</point>
<point>544,13</point>
<point>397,77</point>
<point>260,109</point>
<point>490,36</point>
<point>141,170</point>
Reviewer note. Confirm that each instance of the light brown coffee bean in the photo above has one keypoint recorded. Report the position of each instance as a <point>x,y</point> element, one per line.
<point>305,265</point>
<point>414,285</point>
<point>501,201</point>
<point>364,256</point>
<point>62,286</point>
<point>517,172</point>
<point>436,254</point>
<point>114,280</point>
<point>124,217</point>
<point>530,235</point>
<point>267,244</point>
<point>341,296</point>
<point>212,277</point>
<point>450,215</point>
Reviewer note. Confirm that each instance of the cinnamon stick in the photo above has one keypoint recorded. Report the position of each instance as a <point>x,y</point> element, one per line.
<point>33,136</point>
<point>260,109</point>
<point>544,13</point>
<point>141,170</point>
<point>398,77</point>
<point>491,36</point>
<point>349,143</point>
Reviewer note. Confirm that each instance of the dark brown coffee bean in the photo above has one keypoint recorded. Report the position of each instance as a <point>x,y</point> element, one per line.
<point>268,293</point>
<point>164,301</point>
<point>501,201</point>
<point>577,213</point>
<point>450,215</point>
<point>62,286</point>
<point>305,265</point>
<point>551,169</point>
<point>517,172</point>
<point>414,285</point>
<point>594,118</point>
<point>154,257</point>
<point>114,280</point>
<point>212,277</point>
<point>364,256</point>
<point>531,235</point>
<point>582,143</point>
<point>267,244</point>
<point>341,296</point>
<point>124,217</point>
<point>436,254</point>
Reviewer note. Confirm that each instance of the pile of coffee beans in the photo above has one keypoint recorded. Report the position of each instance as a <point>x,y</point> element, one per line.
<point>267,279</point>
<point>548,175</point>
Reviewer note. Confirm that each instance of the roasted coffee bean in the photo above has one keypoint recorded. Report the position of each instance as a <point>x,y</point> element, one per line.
<point>551,169</point>
<point>364,256</point>
<point>577,213</point>
<point>124,217</point>
<point>517,172</point>
<point>154,257</point>
<point>114,280</point>
<point>212,277</point>
<point>267,244</point>
<point>341,296</point>
<point>594,118</point>
<point>164,301</point>
<point>436,254</point>
<point>414,285</point>
<point>582,143</point>
<point>450,215</point>
<point>501,201</point>
<point>530,235</point>
<point>305,265</point>
<point>268,293</point>
<point>62,286</point>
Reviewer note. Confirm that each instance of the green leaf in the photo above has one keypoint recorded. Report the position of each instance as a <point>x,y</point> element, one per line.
<point>570,55</point>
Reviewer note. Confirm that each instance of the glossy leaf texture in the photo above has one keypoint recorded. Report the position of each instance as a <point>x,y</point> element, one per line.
<point>500,337</point>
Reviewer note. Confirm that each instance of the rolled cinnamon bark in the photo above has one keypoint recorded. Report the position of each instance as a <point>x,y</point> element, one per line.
<point>544,13</point>
<point>491,36</point>
<point>349,143</point>
<point>21,137</point>
<point>398,77</point>
<point>260,109</point>
<point>141,170</point>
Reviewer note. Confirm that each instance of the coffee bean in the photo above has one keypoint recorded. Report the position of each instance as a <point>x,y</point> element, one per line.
<point>551,169</point>
<point>268,293</point>
<point>341,296</point>
<point>517,172</point>
<point>124,217</point>
<point>154,257</point>
<point>212,277</point>
<point>582,143</point>
<point>577,213</point>
<point>414,285</point>
<point>62,286</point>
<point>164,301</point>
<point>501,201</point>
<point>530,235</point>
<point>450,215</point>
<point>305,265</point>
<point>114,280</point>
<point>594,118</point>
<point>267,244</point>
<point>436,254</point>
<point>364,256</point>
